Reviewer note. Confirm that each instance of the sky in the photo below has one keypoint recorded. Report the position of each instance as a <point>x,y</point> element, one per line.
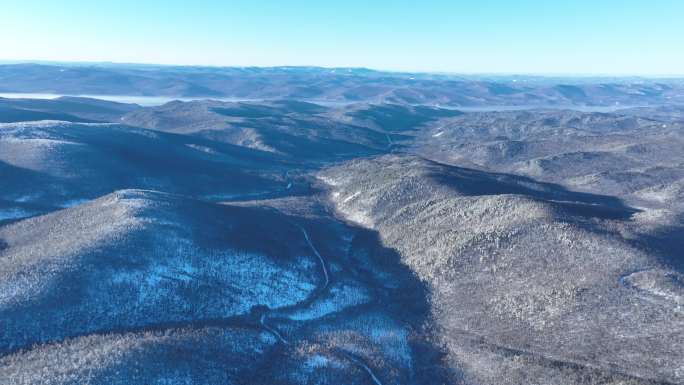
<point>601,37</point>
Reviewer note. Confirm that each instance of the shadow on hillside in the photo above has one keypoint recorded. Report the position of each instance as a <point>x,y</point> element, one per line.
<point>410,303</point>
<point>397,291</point>
<point>666,243</point>
<point>473,182</point>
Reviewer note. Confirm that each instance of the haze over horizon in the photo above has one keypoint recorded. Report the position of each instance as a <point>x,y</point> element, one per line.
<point>491,37</point>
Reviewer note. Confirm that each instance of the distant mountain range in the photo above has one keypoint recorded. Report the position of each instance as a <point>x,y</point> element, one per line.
<point>334,85</point>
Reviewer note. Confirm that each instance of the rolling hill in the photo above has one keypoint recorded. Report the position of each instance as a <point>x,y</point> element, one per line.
<point>373,237</point>
<point>525,277</point>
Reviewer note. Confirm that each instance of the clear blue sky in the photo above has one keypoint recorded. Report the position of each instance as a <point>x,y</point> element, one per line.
<point>485,36</point>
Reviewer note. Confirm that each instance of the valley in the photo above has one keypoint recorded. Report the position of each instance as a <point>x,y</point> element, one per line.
<point>375,239</point>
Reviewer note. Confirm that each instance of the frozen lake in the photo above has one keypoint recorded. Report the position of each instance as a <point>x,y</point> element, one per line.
<point>148,101</point>
<point>140,100</point>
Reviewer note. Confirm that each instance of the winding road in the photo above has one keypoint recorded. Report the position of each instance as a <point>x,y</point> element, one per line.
<point>264,317</point>
<point>276,333</point>
<point>320,258</point>
<point>362,365</point>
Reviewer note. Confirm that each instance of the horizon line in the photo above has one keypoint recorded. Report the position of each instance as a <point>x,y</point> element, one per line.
<point>408,72</point>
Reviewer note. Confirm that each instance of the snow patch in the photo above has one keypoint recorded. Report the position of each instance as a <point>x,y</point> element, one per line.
<point>74,202</point>
<point>360,218</point>
<point>340,297</point>
<point>352,196</point>
<point>13,213</point>
<point>316,361</point>
<point>665,284</point>
<point>329,181</point>
<point>26,198</point>
<point>39,141</point>
<point>204,149</point>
